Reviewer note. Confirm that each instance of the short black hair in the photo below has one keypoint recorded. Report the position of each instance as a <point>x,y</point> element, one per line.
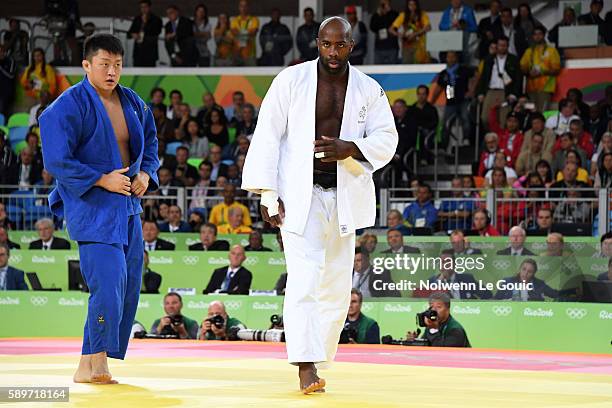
<point>506,10</point>
<point>502,38</point>
<point>362,251</point>
<point>177,92</point>
<point>441,297</point>
<point>105,42</point>
<point>423,87</point>
<point>541,28</point>
<point>605,236</point>
<point>148,2</point>
<point>174,294</point>
<point>158,89</point>
<point>309,9</point>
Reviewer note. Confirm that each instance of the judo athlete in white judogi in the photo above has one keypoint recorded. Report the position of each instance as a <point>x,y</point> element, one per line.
<point>323,129</point>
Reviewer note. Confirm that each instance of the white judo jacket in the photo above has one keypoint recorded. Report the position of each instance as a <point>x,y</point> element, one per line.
<point>280,156</point>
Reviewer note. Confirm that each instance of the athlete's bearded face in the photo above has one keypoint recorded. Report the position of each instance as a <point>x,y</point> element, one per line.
<point>335,46</point>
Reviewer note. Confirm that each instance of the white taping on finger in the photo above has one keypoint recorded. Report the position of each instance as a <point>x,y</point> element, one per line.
<point>269,199</point>
<point>319,155</point>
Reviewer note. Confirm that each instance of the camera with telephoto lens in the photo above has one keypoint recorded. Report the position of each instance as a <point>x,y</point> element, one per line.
<point>348,332</point>
<point>276,321</point>
<point>429,313</point>
<point>417,342</point>
<point>176,320</point>
<point>217,320</point>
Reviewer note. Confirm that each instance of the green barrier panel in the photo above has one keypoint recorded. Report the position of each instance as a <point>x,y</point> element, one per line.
<point>503,325</point>
<point>179,269</point>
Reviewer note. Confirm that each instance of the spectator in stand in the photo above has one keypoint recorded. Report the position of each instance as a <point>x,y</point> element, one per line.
<point>39,76</point>
<point>454,82</point>
<point>218,169</point>
<point>88,30</point>
<point>151,281</point>
<point>180,40</point>
<point>216,127</point>
<point>605,146</point>
<point>208,240</point>
<point>481,224</point>
<point>406,131</point>
<point>195,142</point>
<point>145,30</point>
<point>411,26</point>
<point>176,99</point>
<point>544,221</point>
<point>541,65</point>
<point>43,102</point>
<point>511,138</point>
<point>220,212</point>
<point>10,278</point>
<point>5,222</point>
<point>580,138</point>
<point>360,36</point>
<point>16,43</point>
<point>527,22</point>
<point>368,242</point>
<point>385,46</point>
<point>234,223</point>
<point>275,40</point>
<point>545,172</point>
<point>460,245</point>
<point>202,33</point>
<point>573,210</point>
<point>423,113</point>
<point>47,241</point>
<point>197,219</point>
<point>527,159</point>
<point>233,176</point>
<point>605,108</point>
<point>457,14</point>
<point>456,214</point>
<point>175,222</point>
<point>607,34</point>
<point>395,220</point>
<point>8,160</point>
<point>185,172</point>
<point>524,110</point>
<point>26,172</point>
<point>486,28</point>
<point>593,17</point>
<point>422,213</point>
<point>516,236</point>
<point>246,126</point>
<point>180,121</point>
<point>8,70</point>
<point>465,280</point>
<point>526,275</point>
<point>569,182</point>
<point>208,104</point>
<point>234,113</point>
<point>244,29</point>
<point>502,190</point>
<point>487,156</point>
<point>501,80</point>
<point>256,242</point>
<point>530,186</point>
<point>596,126</point>
<point>538,126</point>
<point>559,123</point>
<point>569,19</point>
<point>152,242</point>
<point>517,41</point>
<point>306,37</point>
<point>4,239</point>
<point>167,185</point>
<point>573,157</point>
<point>238,147</point>
<point>565,146</point>
<point>234,279</point>
<point>224,39</point>
<point>201,190</point>
<point>395,240</point>
<point>582,109</point>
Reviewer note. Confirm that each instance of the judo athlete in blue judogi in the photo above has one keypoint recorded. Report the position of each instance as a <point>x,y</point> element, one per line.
<point>99,141</point>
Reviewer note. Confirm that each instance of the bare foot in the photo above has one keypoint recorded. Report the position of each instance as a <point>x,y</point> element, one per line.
<point>309,380</point>
<point>99,369</point>
<point>83,372</point>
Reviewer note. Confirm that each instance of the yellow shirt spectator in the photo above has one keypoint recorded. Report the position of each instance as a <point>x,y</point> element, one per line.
<point>541,65</point>
<point>38,79</point>
<point>228,229</point>
<point>412,34</point>
<point>244,29</point>
<point>219,214</point>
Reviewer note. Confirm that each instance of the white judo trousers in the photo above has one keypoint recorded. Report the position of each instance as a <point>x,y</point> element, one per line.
<point>318,291</point>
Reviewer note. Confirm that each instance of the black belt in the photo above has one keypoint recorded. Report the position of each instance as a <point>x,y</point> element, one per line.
<point>325,180</point>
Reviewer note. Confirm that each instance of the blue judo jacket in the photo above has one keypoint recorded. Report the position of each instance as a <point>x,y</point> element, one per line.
<point>79,146</point>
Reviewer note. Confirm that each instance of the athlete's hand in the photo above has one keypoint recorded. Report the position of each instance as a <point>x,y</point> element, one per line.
<point>140,184</point>
<point>116,182</point>
<point>334,149</point>
<point>277,220</point>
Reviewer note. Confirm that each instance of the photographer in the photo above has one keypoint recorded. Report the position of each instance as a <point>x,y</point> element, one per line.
<point>358,328</point>
<point>173,323</point>
<point>217,324</point>
<point>444,331</point>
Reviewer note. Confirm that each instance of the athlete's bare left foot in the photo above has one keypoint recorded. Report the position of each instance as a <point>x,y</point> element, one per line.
<point>309,380</point>
<point>83,372</point>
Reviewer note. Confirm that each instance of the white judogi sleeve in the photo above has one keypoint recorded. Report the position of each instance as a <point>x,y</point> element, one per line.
<point>261,165</point>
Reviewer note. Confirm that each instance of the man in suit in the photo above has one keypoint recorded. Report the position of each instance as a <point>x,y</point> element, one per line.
<point>175,223</point>
<point>208,240</point>
<point>515,34</point>
<point>371,282</point>
<point>4,239</point>
<point>395,239</point>
<point>447,275</point>
<point>501,80</point>
<point>47,241</point>
<point>151,281</point>
<point>10,278</point>
<point>517,237</point>
<point>256,242</point>
<point>180,42</point>
<point>233,279</point>
<point>486,28</point>
<point>460,245</point>
<point>26,172</point>
<point>152,242</point>
<point>145,30</point>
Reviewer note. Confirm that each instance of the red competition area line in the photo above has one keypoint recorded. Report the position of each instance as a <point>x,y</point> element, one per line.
<point>372,354</point>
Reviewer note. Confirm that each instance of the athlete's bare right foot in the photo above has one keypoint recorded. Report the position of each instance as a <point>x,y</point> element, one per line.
<point>99,370</point>
<point>309,380</point>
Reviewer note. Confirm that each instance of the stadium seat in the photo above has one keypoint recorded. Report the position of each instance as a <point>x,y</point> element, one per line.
<point>2,120</point>
<point>15,214</point>
<point>171,148</point>
<point>549,113</point>
<point>19,146</point>
<point>17,133</point>
<point>19,119</point>
<point>195,161</point>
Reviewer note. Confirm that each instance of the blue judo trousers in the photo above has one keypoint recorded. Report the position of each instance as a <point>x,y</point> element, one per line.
<point>79,146</point>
